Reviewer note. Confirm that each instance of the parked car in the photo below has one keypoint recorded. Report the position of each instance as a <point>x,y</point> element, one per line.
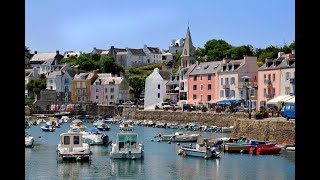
<point>128,103</point>
<point>241,108</point>
<point>288,111</point>
<point>175,106</point>
<point>163,105</point>
<point>189,106</point>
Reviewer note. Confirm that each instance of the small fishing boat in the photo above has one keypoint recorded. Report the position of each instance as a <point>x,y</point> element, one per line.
<point>179,137</point>
<point>125,127</point>
<point>265,149</point>
<point>103,127</point>
<point>28,139</point>
<point>201,151</point>
<point>48,128</point>
<point>127,146</point>
<point>72,147</point>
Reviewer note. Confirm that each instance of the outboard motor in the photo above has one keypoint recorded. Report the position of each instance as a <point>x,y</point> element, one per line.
<point>214,153</point>
<point>105,139</point>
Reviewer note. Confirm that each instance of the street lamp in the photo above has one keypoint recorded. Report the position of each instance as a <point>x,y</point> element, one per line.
<point>248,99</point>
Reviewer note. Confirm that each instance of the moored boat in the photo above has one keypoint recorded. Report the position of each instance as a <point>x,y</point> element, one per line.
<point>48,128</point>
<point>127,146</point>
<point>28,140</point>
<point>179,137</point>
<point>265,149</point>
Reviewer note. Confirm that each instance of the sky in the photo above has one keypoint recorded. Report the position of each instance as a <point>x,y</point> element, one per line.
<point>81,25</point>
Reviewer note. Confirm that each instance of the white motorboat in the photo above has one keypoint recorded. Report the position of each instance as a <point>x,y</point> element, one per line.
<point>125,127</point>
<point>291,148</point>
<point>200,150</point>
<point>174,126</point>
<point>53,122</point>
<point>95,137</point>
<point>28,140</point>
<point>64,119</point>
<point>179,137</point>
<point>41,121</point>
<point>227,129</point>
<point>48,128</point>
<point>72,147</point>
<point>127,146</point>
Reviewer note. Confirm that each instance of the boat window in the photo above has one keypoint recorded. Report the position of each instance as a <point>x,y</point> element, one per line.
<point>76,140</point>
<point>66,140</point>
<point>121,145</point>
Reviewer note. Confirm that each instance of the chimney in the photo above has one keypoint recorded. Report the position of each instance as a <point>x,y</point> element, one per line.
<point>293,51</point>
<point>280,54</point>
<point>35,52</point>
<point>112,47</point>
<point>173,42</point>
<point>156,70</point>
<point>57,51</point>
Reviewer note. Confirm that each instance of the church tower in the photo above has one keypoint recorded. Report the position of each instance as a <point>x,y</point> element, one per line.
<point>187,56</point>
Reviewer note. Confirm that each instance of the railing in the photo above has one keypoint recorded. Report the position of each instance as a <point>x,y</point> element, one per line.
<point>247,84</point>
<point>268,95</point>
<point>226,86</point>
<point>292,80</point>
<point>172,91</point>
<point>267,82</point>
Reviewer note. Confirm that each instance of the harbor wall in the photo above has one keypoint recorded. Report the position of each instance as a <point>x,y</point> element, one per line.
<point>278,128</point>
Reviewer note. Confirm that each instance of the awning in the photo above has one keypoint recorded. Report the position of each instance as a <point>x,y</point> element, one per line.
<point>229,101</point>
<point>281,98</point>
<point>291,100</point>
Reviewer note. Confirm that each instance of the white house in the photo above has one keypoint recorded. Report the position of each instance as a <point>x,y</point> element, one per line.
<point>167,57</point>
<point>153,54</point>
<point>46,61</point>
<point>109,90</point>
<point>155,88</point>
<point>287,68</point>
<point>176,45</point>
<point>29,75</point>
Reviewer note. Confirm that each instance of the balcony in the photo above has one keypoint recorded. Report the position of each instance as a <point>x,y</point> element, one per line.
<point>172,91</point>
<point>292,80</point>
<point>248,84</point>
<point>267,82</point>
<point>269,95</point>
<point>226,86</point>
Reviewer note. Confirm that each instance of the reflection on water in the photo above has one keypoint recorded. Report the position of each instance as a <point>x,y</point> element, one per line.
<point>161,161</point>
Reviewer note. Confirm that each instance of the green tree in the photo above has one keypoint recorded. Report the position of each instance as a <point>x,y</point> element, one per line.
<point>86,63</point>
<point>95,56</point>
<point>215,49</point>
<point>239,51</point>
<point>292,46</point>
<point>264,55</point>
<point>72,60</point>
<point>109,65</point>
<point>36,85</point>
<point>200,53</point>
<point>137,85</point>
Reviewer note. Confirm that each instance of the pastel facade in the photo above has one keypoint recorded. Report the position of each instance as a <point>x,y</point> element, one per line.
<point>272,79</point>
<point>202,83</point>
<point>109,90</point>
<point>81,87</point>
<point>29,75</point>
<point>238,80</point>
<point>155,88</point>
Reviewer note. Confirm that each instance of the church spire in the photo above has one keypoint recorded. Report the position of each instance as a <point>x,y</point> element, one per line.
<point>188,51</point>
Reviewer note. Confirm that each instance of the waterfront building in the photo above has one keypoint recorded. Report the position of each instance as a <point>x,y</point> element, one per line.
<point>155,88</point>
<point>46,61</point>
<point>274,78</point>
<point>81,86</point>
<point>109,90</point>
<point>30,74</point>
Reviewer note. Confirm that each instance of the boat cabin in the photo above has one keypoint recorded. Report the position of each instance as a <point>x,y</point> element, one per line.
<point>127,140</point>
<point>71,140</point>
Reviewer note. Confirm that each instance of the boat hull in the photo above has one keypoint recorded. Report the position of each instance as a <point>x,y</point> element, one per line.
<point>29,142</point>
<point>126,155</point>
<point>196,153</point>
<point>237,147</point>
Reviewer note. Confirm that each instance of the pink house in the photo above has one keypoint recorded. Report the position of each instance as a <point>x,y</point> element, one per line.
<point>202,83</point>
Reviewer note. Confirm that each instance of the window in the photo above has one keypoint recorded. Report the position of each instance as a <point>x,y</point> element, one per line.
<point>227,93</point>
<point>78,92</point>
<point>78,84</point>
<point>209,76</point>
<point>158,86</point>
<point>112,97</point>
<point>241,94</point>
<point>265,76</point>
<point>209,86</point>
<point>232,93</point>
<point>233,80</point>
<point>227,81</point>
<point>66,81</point>
<point>83,92</point>
<point>158,95</point>
<point>208,97</point>
<point>177,78</point>
<point>273,77</point>
<point>221,81</point>
<point>287,90</point>
<point>66,140</point>
<point>269,76</point>
<point>287,75</point>
<point>264,91</point>
<point>76,139</point>
<point>106,96</point>
<point>195,77</point>
<point>111,90</point>
<point>83,99</point>
<point>221,93</point>
<point>106,90</point>
<point>97,90</point>
<point>194,87</point>
<point>194,97</point>
<point>66,89</point>
<point>79,98</point>
<point>201,87</point>
<point>252,92</point>
<point>97,97</point>
<point>201,97</point>
<point>50,81</point>
<point>201,77</point>
<point>83,84</point>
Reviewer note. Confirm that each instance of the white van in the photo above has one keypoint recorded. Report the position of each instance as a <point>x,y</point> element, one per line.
<point>162,105</point>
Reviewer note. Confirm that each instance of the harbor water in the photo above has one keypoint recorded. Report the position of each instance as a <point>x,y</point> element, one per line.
<point>161,160</point>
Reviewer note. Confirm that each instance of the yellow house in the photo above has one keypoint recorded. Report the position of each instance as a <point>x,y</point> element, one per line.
<point>81,86</point>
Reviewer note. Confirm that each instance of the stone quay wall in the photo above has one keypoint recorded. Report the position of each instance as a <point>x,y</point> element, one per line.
<point>277,129</point>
